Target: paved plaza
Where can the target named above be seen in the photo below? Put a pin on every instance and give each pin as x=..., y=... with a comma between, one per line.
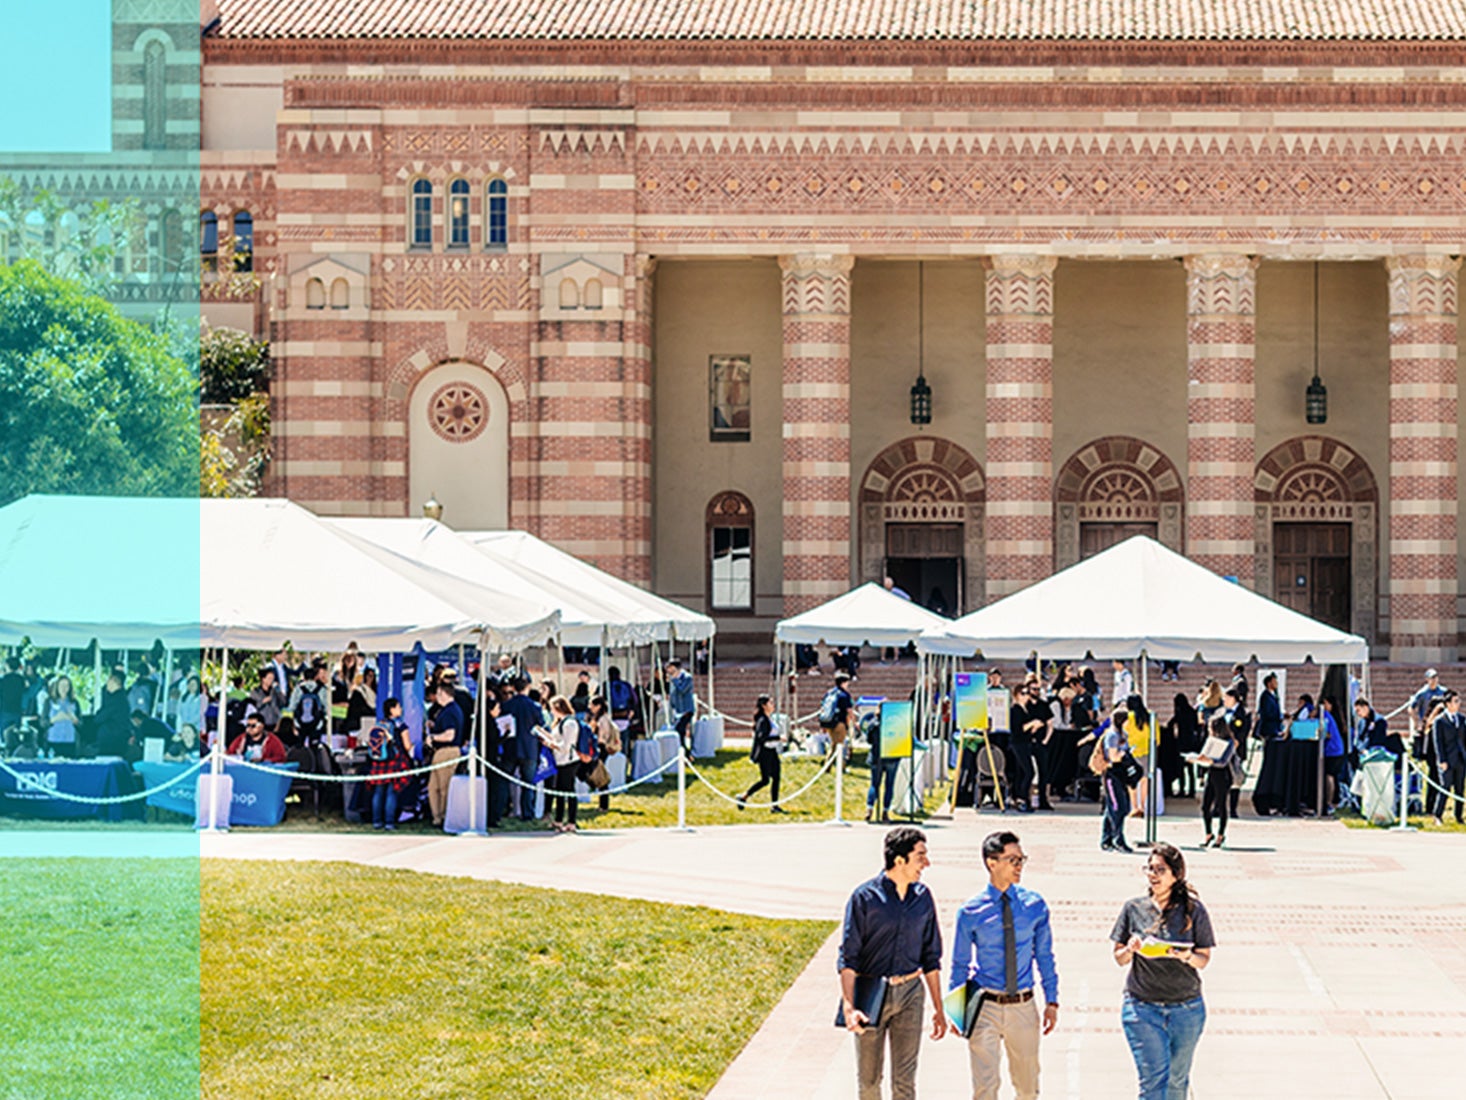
x=1340, y=971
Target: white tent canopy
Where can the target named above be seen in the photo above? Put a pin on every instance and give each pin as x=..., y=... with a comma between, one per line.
x=636, y=616
x=247, y=574
x=1140, y=597
x=868, y=615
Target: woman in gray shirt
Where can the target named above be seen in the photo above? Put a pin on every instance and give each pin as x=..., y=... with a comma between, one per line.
x=1165, y=937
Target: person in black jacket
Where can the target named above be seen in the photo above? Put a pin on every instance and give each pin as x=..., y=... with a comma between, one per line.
x=765, y=753
x=1449, y=735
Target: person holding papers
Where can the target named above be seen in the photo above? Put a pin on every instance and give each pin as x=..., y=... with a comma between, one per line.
x=1216, y=757
x=1165, y=937
x=889, y=948
x=1002, y=934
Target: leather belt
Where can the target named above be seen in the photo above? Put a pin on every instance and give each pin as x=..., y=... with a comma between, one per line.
x=904, y=978
x=1008, y=998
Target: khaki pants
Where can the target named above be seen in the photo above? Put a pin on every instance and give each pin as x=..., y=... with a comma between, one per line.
x=1016, y=1027
x=901, y=1021
x=438, y=782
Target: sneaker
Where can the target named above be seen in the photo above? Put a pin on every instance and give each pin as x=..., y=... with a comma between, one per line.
x=1121, y=846
x=742, y=802
x=1106, y=846
x=777, y=810
x=390, y=828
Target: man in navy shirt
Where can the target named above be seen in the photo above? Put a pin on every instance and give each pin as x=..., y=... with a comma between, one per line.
x=528, y=717
x=1002, y=934
x=445, y=741
x=891, y=933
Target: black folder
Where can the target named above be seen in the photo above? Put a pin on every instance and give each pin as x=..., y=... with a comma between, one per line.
x=870, y=998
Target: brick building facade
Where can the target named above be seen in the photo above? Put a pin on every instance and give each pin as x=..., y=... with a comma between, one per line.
x=656, y=288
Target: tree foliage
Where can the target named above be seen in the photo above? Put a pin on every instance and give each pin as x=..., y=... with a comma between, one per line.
x=83, y=246
x=232, y=366
x=90, y=402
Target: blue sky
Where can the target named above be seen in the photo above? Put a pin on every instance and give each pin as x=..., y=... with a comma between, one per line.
x=56, y=77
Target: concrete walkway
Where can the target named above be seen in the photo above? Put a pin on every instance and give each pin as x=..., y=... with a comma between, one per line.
x=1340, y=971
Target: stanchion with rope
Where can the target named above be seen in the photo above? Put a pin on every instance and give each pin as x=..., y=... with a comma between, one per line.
x=217, y=779
x=732, y=800
x=682, y=790
x=24, y=782
x=1406, y=765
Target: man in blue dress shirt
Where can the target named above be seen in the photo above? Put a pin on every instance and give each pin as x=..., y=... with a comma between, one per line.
x=1001, y=935
x=891, y=933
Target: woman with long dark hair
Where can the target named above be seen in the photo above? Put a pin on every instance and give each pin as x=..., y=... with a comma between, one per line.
x=1179, y=736
x=1137, y=731
x=1165, y=937
x=765, y=753
x=1216, y=796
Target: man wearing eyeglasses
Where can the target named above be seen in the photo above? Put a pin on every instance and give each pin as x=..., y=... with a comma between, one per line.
x=1002, y=934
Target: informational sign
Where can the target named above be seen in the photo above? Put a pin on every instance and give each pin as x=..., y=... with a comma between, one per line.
x=972, y=700
x=896, y=730
x=1000, y=703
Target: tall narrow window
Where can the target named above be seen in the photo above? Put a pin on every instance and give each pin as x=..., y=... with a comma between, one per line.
x=422, y=214
x=209, y=240
x=730, y=552
x=137, y=244
x=595, y=294
x=340, y=294
x=458, y=214
x=730, y=398
x=155, y=96
x=315, y=294
x=244, y=241
x=498, y=218
x=170, y=244
x=569, y=294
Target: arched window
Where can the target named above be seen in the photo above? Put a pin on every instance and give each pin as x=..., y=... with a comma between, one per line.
x=137, y=244
x=209, y=239
x=244, y=241
x=170, y=243
x=421, y=227
x=315, y=294
x=458, y=214
x=595, y=294
x=498, y=217
x=569, y=294
x=340, y=294
x=730, y=552
x=155, y=96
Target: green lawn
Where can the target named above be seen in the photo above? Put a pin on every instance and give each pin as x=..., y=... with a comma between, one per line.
x=99, y=979
x=1420, y=821
x=331, y=980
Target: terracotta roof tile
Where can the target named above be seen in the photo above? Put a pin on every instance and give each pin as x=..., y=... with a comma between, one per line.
x=932, y=20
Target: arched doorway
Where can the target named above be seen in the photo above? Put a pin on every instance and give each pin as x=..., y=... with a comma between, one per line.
x=1111, y=489
x=458, y=445
x=921, y=513
x=1317, y=524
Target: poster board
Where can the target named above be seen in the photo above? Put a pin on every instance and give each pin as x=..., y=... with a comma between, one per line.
x=971, y=690
x=1304, y=729
x=1000, y=704
x=896, y=730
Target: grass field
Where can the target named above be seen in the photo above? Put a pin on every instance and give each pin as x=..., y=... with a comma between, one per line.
x=330, y=980
x=99, y=979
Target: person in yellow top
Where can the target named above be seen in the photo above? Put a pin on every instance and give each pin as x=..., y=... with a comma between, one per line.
x=1137, y=733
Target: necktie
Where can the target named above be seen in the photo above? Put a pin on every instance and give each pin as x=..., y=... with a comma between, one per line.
x=1010, y=947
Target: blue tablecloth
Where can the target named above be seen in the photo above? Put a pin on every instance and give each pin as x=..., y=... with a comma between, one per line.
x=259, y=797
x=104, y=777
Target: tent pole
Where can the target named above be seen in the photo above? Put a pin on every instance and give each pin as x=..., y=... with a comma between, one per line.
x=480, y=712
x=1150, y=762
x=160, y=701
x=216, y=758
x=712, y=709
x=97, y=676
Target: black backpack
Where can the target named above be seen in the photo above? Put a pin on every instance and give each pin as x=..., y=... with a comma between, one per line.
x=308, y=712
x=830, y=709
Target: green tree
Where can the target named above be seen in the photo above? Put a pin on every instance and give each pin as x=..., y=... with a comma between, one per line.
x=90, y=402
x=82, y=246
x=232, y=366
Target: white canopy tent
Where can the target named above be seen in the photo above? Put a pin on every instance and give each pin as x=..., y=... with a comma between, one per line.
x=868, y=615
x=1138, y=597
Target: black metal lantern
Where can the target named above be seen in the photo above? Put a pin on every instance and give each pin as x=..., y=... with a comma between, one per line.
x=431, y=509
x=921, y=401
x=921, y=393
x=1316, y=397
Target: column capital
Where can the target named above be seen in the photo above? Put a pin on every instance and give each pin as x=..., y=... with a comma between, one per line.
x=1027, y=265
x=643, y=265
x=1423, y=285
x=816, y=284
x=1020, y=285
x=1221, y=283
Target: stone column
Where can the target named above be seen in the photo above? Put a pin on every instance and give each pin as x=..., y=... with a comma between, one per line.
x=1221, y=433
x=816, y=444
x=1020, y=422
x=1423, y=448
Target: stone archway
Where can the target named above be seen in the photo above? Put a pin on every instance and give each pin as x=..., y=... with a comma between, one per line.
x=1315, y=481
x=918, y=482
x=1120, y=483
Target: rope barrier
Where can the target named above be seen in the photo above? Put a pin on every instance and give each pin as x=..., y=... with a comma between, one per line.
x=25, y=783
x=830, y=759
x=1424, y=774
x=356, y=777
x=647, y=778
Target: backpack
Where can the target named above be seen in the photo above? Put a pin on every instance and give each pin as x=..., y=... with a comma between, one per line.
x=830, y=709
x=621, y=698
x=308, y=712
x=585, y=742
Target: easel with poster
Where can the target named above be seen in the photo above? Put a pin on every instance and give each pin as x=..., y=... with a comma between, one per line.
x=977, y=711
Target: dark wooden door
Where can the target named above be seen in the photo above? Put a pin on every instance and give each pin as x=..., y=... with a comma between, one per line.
x=1094, y=537
x=925, y=561
x=1312, y=570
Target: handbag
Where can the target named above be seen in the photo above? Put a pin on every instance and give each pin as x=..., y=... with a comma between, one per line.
x=547, y=769
x=597, y=777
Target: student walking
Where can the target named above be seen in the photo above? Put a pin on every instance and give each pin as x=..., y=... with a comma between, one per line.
x=1217, y=794
x=891, y=939
x=1165, y=937
x=765, y=753
x=1002, y=935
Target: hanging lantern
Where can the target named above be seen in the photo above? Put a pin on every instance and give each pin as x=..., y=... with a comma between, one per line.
x=1316, y=402
x=921, y=401
x=432, y=509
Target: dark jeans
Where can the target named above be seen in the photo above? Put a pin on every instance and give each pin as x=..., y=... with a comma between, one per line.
x=499, y=796
x=1454, y=777
x=683, y=725
x=769, y=770
x=1022, y=772
x=882, y=773
x=527, y=768
x=565, y=801
x=384, y=806
x=1117, y=808
x=1215, y=798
